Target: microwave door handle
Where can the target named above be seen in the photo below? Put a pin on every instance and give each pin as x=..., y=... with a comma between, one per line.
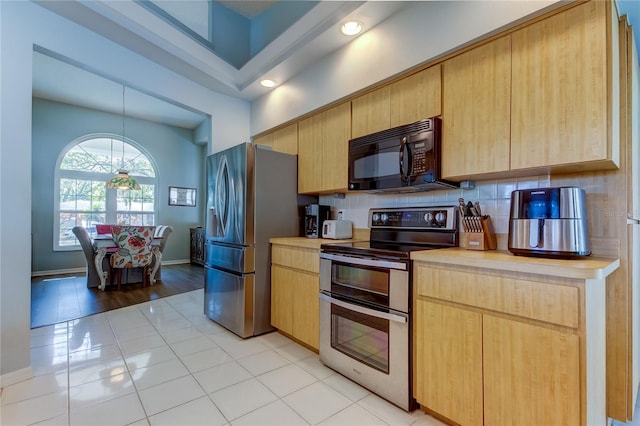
x=405, y=171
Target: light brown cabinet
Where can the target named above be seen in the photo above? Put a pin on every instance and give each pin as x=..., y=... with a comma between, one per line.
x=448, y=373
x=295, y=286
x=281, y=140
x=408, y=100
x=542, y=98
x=416, y=97
x=495, y=346
x=476, y=111
x=531, y=374
x=323, y=144
x=370, y=112
x=545, y=97
x=565, y=89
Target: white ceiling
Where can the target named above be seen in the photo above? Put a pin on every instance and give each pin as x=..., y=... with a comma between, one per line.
x=127, y=23
x=305, y=42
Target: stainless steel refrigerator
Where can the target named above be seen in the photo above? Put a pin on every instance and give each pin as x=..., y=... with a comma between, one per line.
x=252, y=196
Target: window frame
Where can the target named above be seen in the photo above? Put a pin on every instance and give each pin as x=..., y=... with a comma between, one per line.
x=111, y=197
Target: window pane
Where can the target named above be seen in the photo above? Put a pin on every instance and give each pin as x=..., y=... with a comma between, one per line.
x=66, y=236
x=85, y=201
x=137, y=201
x=107, y=155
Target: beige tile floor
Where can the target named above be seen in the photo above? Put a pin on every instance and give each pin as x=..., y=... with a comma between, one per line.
x=165, y=363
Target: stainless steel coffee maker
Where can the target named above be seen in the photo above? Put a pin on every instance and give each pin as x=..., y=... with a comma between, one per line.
x=549, y=222
x=314, y=217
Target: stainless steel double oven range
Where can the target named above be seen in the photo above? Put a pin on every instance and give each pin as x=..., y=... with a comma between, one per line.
x=366, y=298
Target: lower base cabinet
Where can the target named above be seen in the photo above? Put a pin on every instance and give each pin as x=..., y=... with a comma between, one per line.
x=509, y=348
x=474, y=366
x=448, y=375
x=294, y=304
x=535, y=369
x=295, y=286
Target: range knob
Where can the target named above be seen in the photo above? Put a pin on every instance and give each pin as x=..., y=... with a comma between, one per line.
x=428, y=217
x=385, y=217
x=375, y=217
x=441, y=217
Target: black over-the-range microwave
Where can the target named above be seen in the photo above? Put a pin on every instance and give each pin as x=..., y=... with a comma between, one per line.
x=402, y=159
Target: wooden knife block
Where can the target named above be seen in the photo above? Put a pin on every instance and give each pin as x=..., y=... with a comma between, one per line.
x=479, y=233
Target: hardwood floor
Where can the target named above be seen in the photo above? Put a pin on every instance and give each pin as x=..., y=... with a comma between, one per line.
x=61, y=298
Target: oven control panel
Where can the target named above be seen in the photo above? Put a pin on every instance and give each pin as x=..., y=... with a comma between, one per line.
x=440, y=218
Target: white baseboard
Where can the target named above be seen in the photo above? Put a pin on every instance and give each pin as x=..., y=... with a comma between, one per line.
x=58, y=272
x=82, y=270
x=16, y=377
x=175, y=262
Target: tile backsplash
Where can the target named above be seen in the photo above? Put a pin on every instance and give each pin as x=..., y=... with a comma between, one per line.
x=494, y=197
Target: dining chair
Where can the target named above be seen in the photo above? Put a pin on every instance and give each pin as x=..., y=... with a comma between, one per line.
x=162, y=233
x=134, y=250
x=93, y=280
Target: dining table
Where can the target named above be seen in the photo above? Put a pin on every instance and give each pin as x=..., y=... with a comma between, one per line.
x=103, y=242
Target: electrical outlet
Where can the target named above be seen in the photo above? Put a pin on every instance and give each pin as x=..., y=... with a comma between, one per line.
x=340, y=215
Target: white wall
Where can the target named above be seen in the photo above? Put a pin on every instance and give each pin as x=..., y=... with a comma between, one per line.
x=22, y=25
x=411, y=37
x=15, y=197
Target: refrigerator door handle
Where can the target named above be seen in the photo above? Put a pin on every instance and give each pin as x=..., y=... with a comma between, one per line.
x=212, y=227
x=222, y=198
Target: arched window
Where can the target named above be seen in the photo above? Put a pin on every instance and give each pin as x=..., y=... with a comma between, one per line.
x=82, y=198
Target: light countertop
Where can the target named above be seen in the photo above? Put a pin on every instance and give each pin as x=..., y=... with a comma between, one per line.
x=303, y=242
x=584, y=268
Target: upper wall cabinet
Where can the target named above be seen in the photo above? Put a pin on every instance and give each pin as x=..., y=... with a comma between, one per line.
x=565, y=90
x=370, y=112
x=411, y=99
x=476, y=111
x=545, y=97
x=282, y=140
x=416, y=97
x=323, y=144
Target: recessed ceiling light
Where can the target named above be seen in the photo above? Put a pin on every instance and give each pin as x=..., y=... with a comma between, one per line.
x=268, y=83
x=351, y=28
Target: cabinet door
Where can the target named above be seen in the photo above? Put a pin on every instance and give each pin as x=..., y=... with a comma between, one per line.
x=476, y=111
x=306, y=309
x=286, y=139
x=416, y=97
x=370, y=112
x=560, y=88
x=336, y=132
x=282, y=140
x=310, y=155
x=448, y=361
x=282, y=298
x=531, y=374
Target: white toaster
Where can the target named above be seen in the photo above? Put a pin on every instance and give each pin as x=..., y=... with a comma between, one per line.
x=336, y=229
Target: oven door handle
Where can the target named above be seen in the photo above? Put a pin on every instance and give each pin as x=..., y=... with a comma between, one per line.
x=365, y=261
x=366, y=311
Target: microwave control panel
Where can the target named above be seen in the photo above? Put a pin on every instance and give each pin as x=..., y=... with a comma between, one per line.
x=420, y=157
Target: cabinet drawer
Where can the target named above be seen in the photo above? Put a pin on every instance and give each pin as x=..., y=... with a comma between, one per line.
x=306, y=260
x=557, y=304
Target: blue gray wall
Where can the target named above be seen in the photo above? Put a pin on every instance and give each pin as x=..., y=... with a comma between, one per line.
x=179, y=162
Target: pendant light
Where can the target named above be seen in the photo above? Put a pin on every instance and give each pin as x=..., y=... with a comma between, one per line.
x=122, y=180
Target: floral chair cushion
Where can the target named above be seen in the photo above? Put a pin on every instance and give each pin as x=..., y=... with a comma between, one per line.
x=134, y=246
